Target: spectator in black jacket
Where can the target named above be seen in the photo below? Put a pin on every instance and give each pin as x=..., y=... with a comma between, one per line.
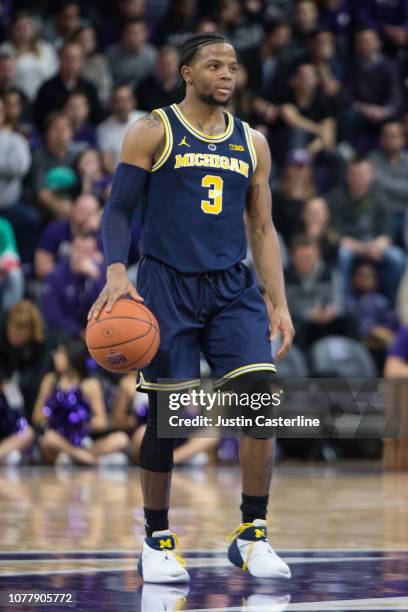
x=54, y=93
x=372, y=92
x=161, y=88
x=307, y=113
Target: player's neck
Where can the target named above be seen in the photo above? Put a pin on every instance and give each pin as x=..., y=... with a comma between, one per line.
x=206, y=117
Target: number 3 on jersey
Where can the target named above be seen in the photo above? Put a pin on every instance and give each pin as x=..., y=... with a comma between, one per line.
x=214, y=185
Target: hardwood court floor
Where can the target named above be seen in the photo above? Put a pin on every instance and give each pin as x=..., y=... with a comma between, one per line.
x=343, y=531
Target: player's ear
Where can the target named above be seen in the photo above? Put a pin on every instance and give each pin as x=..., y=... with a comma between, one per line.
x=186, y=74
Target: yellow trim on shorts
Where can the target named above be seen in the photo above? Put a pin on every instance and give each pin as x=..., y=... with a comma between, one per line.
x=252, y=367
x=168, y=145
x=193, y=382
x=201, y=135
x=143, y=384
x=251, y=146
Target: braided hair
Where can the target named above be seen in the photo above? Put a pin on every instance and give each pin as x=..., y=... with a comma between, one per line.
x=192, y=45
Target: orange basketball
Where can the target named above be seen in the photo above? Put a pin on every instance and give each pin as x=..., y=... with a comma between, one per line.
x=124, y=339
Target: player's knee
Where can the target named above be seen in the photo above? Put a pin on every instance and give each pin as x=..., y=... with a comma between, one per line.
x=252, y=382
x=256, y=401
x=156, y=454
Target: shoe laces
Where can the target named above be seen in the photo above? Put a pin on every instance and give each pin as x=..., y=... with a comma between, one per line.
x=235, y=533
x=180, y=604
x=176, y=552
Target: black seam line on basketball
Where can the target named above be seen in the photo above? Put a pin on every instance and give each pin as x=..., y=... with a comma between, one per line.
x=136, y=367
x=149, y=322
x=95, y=348
x=124, y=341
x=122, y=317
x=150, y=315
x=146, y=351
x=148, y=312
x=139, y=358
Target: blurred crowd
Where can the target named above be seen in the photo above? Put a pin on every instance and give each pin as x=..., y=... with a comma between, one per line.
x=326, y=81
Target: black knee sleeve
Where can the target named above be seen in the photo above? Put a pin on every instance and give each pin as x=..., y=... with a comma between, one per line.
x=255, y=385
x=156, y=454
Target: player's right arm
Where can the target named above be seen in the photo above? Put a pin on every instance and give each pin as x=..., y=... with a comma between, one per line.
x=142, y=145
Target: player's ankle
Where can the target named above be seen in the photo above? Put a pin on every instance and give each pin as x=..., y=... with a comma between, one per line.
x=156, y=520
x=253, y=507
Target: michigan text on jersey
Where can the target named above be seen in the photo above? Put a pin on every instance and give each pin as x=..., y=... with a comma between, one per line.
x=211, y=160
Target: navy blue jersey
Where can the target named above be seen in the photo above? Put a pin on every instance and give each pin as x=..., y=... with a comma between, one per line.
x=195, y=195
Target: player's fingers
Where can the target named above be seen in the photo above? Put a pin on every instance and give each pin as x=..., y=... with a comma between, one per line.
x=112, y=299
x=97, y=307
x=273, y=326
x=287, y=337
x=135, y=294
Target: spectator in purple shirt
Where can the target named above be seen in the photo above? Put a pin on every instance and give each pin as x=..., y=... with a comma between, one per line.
x=72, y=287
x=377, y=321
x=56, y=239
x=92, y=176
x=396, y=364
x=372, y=91
x=77, y=110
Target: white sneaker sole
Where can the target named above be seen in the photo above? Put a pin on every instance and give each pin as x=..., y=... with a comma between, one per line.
x=161, y=579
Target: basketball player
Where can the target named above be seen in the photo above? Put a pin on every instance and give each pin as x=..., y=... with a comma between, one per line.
x=200, y=171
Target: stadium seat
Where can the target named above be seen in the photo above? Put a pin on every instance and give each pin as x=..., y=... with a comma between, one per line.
x=294, y=365
x=339, y=356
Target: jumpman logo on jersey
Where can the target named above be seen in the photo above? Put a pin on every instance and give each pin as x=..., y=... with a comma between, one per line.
x=183, y=142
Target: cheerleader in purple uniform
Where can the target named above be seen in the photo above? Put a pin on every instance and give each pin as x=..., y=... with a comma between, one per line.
x=71, y=407
x=15, y=434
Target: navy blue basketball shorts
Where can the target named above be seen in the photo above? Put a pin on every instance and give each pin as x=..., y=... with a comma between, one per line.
x=220, y=314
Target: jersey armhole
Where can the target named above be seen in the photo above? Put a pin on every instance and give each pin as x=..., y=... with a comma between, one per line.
x=251, y=146
x=168, y=144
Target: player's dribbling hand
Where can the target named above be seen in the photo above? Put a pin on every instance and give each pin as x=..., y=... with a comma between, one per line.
x=117, y=286
x=280, y=320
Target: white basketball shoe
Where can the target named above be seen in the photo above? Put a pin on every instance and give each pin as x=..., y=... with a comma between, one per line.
x=160, y=561
x=250, y=550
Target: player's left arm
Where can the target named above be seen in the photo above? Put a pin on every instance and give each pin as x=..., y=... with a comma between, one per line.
x=264, y=244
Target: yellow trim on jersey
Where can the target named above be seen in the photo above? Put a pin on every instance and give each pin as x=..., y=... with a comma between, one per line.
x=145, y=384
x=201, y=135
x=251, y=146
x=168, y=145
x=252, y=367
